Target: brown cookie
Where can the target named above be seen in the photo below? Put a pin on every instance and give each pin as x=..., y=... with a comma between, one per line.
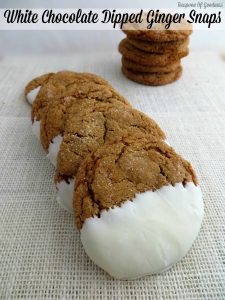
x=54, y=115
x=158, y=33
x=153, y=78
x=63, y=76
x=160, y=47
x=117, y=172
x=101, y=123
x=129, y=64
x=64, y=84
x=152, y=59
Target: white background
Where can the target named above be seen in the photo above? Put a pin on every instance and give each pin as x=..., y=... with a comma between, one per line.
x=70, y=42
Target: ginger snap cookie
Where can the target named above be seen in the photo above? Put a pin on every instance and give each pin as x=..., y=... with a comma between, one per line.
x=137, y=205
x=66, y=124
x=129, y=64
x=98, y=125
x=160, y=47
x=54, y=86
x=62, y=84
x=33, y=87
x=85, y=133
x=153, y=59
x=158, y=33
x=153, y=78
x=55, y=116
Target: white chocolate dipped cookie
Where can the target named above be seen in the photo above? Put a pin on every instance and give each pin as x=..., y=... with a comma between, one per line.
x=60, y=117
x=43, y=90
x=85, y=130
x=138, y=207
x=54, y=97
x=52, y=89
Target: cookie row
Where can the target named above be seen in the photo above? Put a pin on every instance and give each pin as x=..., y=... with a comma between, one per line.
x=76, y=115
x=150, y=61
x=128, y=179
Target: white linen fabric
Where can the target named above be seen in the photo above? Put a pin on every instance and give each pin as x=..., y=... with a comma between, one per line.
x=41, y=256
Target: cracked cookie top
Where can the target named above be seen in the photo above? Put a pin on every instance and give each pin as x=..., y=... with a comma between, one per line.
x=64, y=84
x=57, y=115
x=127, y=166
x=97, y=123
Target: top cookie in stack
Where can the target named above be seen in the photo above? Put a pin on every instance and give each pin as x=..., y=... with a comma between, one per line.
x=153, y=56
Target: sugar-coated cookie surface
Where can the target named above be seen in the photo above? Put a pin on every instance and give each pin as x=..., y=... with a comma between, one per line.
x=118, y=171
x=56, y=117
x=64, y=84
x=63, y=77
x=52, y=98
x=88, y=129
x=96, y=125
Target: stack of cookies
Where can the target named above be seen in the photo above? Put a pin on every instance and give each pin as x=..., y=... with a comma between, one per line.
x=153, y=57
x=136, y=202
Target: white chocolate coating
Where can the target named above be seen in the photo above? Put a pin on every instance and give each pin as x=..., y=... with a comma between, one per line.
x=64, y=194
x=146, y=235
x=53, y=149
x=54, y=146
x=31, y=96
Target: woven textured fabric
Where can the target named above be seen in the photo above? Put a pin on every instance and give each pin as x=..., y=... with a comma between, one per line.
x=41, y=256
